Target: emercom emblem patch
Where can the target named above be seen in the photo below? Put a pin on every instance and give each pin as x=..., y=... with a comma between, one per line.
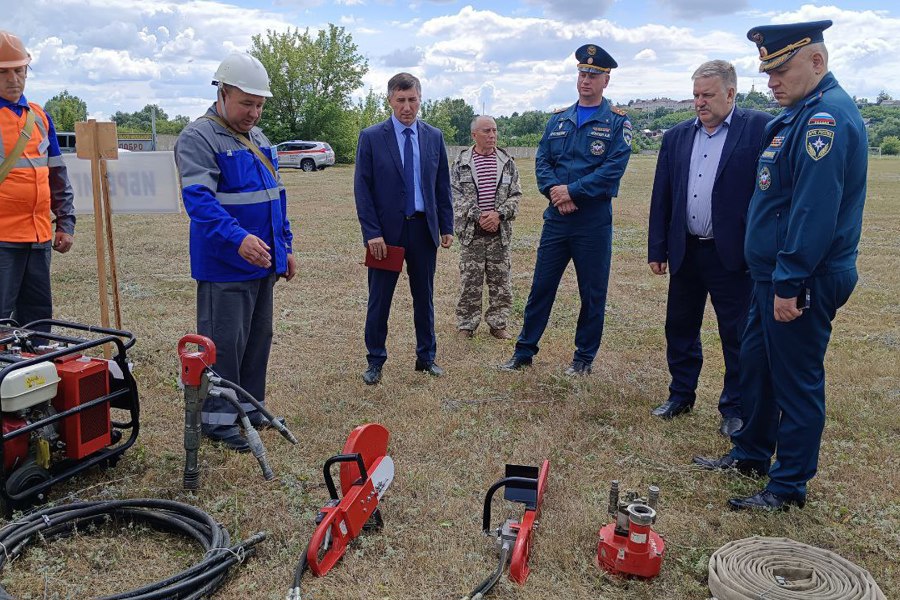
x=819, y=142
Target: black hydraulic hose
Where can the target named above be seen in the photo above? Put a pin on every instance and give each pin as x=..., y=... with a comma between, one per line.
x=250, y=433
x=299, y=570
x=193, y=583
x=491, y=580
x=275, y=422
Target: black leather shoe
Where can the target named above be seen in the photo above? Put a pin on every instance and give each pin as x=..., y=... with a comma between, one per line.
x=671, y=409
x=230, y=438
x=578, y=368
x=730, y=426
x=372, y=375
x=765, y=500
x=750, y=468
x=429, y=367
x=516, y=363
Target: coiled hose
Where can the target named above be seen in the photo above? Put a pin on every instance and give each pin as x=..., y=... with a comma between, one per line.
x=194, y=583
x=782, y=569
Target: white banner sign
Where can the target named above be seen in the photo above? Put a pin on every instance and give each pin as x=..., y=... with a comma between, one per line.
x=139, y=183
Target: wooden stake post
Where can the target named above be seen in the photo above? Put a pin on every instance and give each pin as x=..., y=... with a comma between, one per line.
x=98, y=142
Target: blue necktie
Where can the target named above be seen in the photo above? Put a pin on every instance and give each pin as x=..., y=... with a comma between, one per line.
x=409, y=173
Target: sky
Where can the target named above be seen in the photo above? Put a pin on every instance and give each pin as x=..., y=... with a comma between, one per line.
x=501, y=56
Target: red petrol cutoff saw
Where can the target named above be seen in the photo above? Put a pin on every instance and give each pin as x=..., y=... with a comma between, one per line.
x=366, y=471
x=524, y=484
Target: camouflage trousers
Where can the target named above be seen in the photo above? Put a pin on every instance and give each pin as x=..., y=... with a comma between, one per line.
x=484, y=258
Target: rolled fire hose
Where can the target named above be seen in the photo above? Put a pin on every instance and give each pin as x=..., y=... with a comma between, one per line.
x=768, y=568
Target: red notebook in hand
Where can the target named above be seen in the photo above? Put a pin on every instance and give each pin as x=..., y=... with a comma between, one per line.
x=392, y=262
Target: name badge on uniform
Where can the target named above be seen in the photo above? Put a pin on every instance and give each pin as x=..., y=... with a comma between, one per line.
x=506, y=178
x=559, y=133
x=274, y=152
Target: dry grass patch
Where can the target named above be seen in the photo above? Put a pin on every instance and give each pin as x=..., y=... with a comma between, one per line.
x=451, y=437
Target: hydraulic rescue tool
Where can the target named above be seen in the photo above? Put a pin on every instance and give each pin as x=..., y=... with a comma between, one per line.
x=366, y=472
x=56, y=405
x=524, y=484
x=628, y=545
x=200, y=382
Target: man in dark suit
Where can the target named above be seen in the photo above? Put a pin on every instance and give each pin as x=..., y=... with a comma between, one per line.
x=704, y=180
x=402, y=189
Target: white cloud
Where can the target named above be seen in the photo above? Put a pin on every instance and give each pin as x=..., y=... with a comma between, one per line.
x=124, y=54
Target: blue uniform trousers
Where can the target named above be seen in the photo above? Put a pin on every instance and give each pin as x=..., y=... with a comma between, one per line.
x=585, y=238
x=701, y=274
x=421, y=261
x=237, y=317
x=25, y=283
x=783, y=382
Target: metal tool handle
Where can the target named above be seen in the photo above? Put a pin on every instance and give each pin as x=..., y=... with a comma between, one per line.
x=522, y=482
x=331, y=522
x=340, y=458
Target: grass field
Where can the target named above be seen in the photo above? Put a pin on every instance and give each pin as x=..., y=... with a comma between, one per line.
x=452, y=436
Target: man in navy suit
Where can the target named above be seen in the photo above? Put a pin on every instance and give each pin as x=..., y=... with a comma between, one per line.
x=402, y=189
x=704, y=180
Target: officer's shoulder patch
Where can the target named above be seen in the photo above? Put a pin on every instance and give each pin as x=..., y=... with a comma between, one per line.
x=618, y=111
x=556, y=111
x=822, y=119
x=819, y=142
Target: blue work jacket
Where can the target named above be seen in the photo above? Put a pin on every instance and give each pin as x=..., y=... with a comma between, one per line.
x=229, y=193
x=805, y=215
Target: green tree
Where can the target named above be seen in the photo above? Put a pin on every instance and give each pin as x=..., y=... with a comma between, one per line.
x=882, y=96
x=371, y=109
x=66, y=110
x=311, y=79
x=437, y=114
x=142, y=121
x=890, y=145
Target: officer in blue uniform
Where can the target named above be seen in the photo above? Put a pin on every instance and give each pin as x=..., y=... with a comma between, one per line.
x=803, y=229
x=580, y=160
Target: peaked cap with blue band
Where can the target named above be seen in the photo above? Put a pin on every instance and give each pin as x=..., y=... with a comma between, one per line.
x=594, y=59
x=779, y=43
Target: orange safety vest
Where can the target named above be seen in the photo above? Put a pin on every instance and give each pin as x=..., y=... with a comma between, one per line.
x=25, y=193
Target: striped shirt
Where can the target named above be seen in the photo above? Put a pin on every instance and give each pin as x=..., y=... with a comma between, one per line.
x=486, y=179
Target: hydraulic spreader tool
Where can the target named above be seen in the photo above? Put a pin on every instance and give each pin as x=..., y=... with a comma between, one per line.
x=57, y=403
x=628, y=545
x=366, y=472
x=200, y=381
x=526, y=485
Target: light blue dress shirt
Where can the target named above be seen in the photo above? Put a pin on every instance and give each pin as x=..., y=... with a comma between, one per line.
x=417, y=164
x=705, y=156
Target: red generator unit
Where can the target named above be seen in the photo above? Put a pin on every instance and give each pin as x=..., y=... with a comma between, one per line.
x=82, y=379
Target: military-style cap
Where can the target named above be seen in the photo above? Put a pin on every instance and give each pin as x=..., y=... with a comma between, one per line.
x=594, y=59
x=779, y=43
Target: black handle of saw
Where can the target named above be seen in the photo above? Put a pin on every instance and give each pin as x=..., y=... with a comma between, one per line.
x=341, y=458
x=521, y=482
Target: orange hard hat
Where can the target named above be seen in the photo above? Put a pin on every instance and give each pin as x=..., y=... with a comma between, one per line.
x=12, y=51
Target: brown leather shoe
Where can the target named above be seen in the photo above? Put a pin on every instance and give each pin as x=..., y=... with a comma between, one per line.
x=465, y=334
x=501, y=334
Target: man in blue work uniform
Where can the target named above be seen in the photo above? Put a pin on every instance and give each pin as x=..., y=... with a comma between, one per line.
x=240, y=236
x=803, y=229
x=580, y=160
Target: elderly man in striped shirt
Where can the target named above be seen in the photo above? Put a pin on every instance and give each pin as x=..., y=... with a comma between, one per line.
x=486, y=192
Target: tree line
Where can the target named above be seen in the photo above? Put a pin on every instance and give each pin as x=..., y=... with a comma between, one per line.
x=313, y=77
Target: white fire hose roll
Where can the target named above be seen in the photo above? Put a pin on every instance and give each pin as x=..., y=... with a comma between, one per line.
x=766, y=568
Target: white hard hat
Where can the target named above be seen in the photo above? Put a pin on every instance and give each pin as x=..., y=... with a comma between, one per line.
x=244, y=72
